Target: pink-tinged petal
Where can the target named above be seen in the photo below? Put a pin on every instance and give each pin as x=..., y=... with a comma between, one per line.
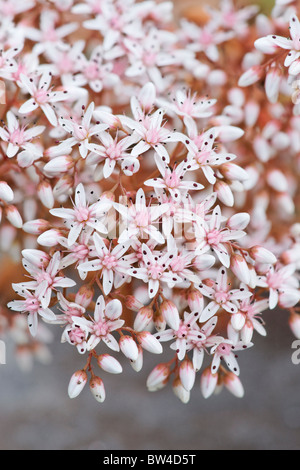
x=28, y=106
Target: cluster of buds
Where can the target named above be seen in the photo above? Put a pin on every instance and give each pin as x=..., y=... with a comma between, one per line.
x=148, y=183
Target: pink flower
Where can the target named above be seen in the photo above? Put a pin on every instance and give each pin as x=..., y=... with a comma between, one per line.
x=42, y=97
x=83, y=215
x=106, y=319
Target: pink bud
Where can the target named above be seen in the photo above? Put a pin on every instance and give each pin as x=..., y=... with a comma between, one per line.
x=129, y=347
x=272, y=84
x=84, y=296
x=58, y=165
x=262, y=255
x=109, y=364
x=237, y=321
x=45, y=193
x=187, y=374
x=170, y=313
x=159, y=321
x=233, y=384
x=224, y=193
x=234, y=172
x=50, y=237
x=247, y=332
x=133, y=303
x=63, y=185
x=195, y=300
x=13, y=216
x=158, y=378
x=251, y=76
x=149, y=342
x=143, y=318
x=180, y=391
x=238, y=221
x=239, y=267
x=208, y=382
x=77, y=383
x=6, y=193
x=97, y=389
x=138, y=363
x=36, y=227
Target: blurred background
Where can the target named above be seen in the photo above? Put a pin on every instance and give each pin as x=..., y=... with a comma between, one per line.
x=36, y=413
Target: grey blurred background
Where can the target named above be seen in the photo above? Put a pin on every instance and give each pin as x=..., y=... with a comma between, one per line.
x=36, y=413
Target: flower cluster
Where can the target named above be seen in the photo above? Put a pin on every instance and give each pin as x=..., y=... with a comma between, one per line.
x=149, y=183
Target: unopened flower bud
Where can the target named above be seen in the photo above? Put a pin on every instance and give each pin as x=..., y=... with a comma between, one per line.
x=187, y=374
x=224, y=193
x=50, y=237
x=129, y=347
x=36, y=227
x=97, y=389
x=143, y=318
x=195, y=300
x=238, y=221
x=159, y=321
x=277, y=180
x=58, y=165
x=237, y=321
x=109, y=364
x=133, y=303
x=149, y=342
x=6, y=193
x=170, y=313
x=233, y=384
x=251, y=76
x=45, y=193
x=138, y=363
x=262, y=255
x=180, y=391
x=13, y=216
x=208, y=382
x=84, y=295
x=234, y=172
x=77, y=383
x=158, y=377
x=239, y=267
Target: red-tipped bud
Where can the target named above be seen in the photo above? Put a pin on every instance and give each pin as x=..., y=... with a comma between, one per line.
x=13, y=216
x=170, y=313
x=262, y=255
x=158, y=378
x=77, y=383
x=97, y=389
x=208, y=382
x=233, y=384
x=36, y=227
x=129, y=347
x=195, y=300
x=143, y=318
x=45, y=193
x=187, y=374
x=149, y=342
x=109, y=364
x=180, y=391
x=239, y=267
